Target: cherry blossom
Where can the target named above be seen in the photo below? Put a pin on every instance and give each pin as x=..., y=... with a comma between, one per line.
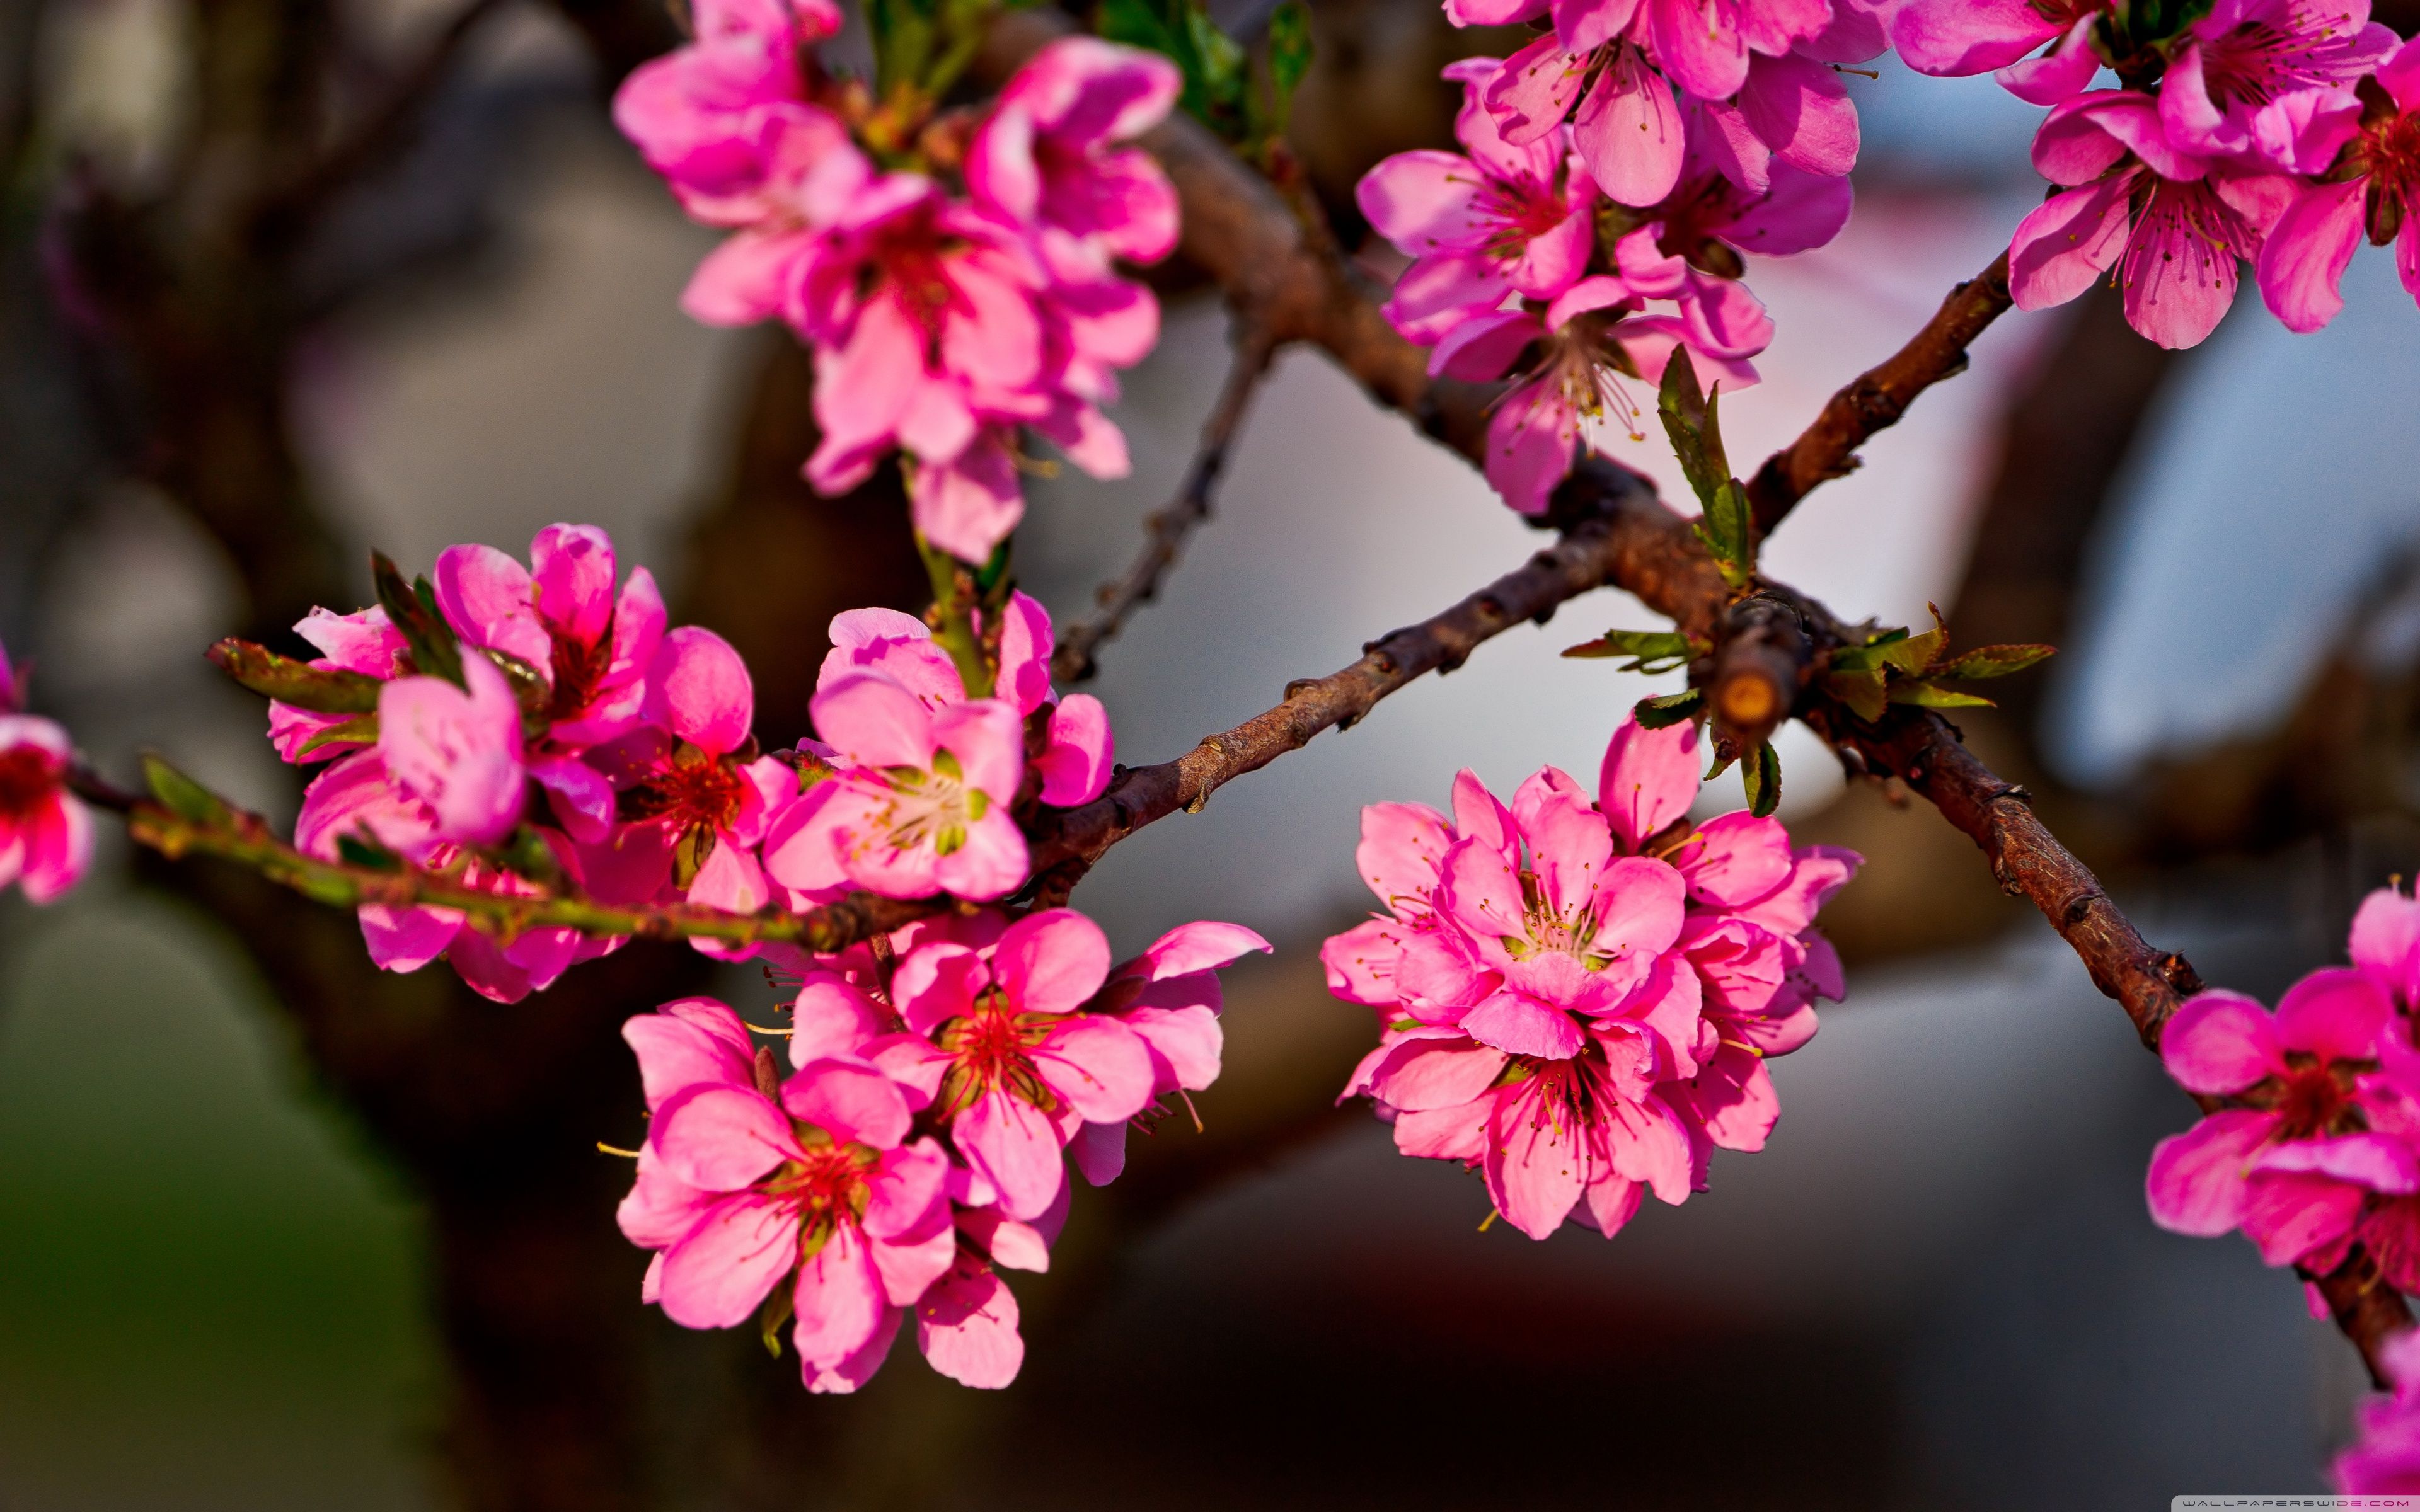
x=2375, y=192
x=2272, y=79
x=562, y=617
x=2385, y=1459
x=45, y=831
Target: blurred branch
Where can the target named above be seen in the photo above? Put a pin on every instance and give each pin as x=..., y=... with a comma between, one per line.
x=1167, y=529
x=1828, y=448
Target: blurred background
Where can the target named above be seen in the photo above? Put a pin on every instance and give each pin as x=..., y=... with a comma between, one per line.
x=283, y=279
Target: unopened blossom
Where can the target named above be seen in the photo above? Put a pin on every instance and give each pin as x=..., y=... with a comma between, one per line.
x=45, y=831
x=815, y=1182
x=2173, y=223
x=2294, y=1175
x=562, y=617
x=919, y=799
x=2271, y=80
x=2374, y=191
x=1073, y=749
x=1489, y=220
x=2384, y=1460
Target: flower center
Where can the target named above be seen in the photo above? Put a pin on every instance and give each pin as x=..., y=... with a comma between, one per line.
x=931, y=808
x=827, y=1188
x=993, y=1048
x=2309, y=1102
x=695, y=789
x=2247, y=66
x=27, y=779
x=1552, y=933
x=579, y=666
x=910, y=257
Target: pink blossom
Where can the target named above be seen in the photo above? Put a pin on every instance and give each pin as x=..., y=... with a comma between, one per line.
x=2173, y=223
x=361, y=642
x=45, y=831
x=1589, y=337
x=2385, y=1459
x=1487, y=222
x=919, y=799
x=698, y=113
x=2272, y=79
x=458, y=752
x=2385, y=943
x=817, y=1182
x=1627, y=126
x=997, y=1043
x=1075, y=751
x=695, y=797
x=1579, y=998
x=2312, y=243
x=1048, y=155
x=562, y=617
x=2293, y=1175
x=13, y=686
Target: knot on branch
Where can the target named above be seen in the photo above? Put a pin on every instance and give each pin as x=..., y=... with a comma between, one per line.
x=1763, y=659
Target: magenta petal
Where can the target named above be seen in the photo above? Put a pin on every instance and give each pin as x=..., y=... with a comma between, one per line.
x=2195, y=1184
x=720, y=1137
x=1076, y=764
x=1418, y=1076
x=660, y=1209
x=2064, y=246
x=1010, y=1143
x=1534, y=1165
x=937, y=982
x=1521, y=1027
x=458, y=752
x=2386, y=940
x=1629, y=133
x=1052, y=962
x=484, y=596
x=1099, y=1150
x=717, y=1272
x=2303, y=260
x=993, y=863
x=831, y=1017
x=2336, y=1013
x=907, y=1191
x=1649, y=1144
x=851, y=1102
x=2288, y=1216
x=674, y=1055
x=580, y=798
x=967, y=1327
x=2220, y=1042
x=1360, y=962
x=839, y=1298
x=1530, y=440
x=699, y=688
x=1422, y=202
x=1098, y=1066
x=2380, y=1162
x=407, y=939
x=1649, y=779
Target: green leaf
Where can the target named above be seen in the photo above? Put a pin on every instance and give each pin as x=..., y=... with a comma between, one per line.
x=1289, y=60
x=1687, y=421
x=903, y=41
x=1912, y=653
x=361, y=728
x=1994, y=661
x=181, y=795
x=320, y=690
x=1727, y=531
x=364, y=850
x=777, y=1312
x=1651, y=651
x=1722, y=763
x=1924, y=695
x=1671, y=709
x=411, y=609
x=1761, y=776
x=1862, y=692
x=1182, y=31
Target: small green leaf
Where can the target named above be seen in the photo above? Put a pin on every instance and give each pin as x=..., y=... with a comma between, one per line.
x=1651, y=651
x=525, y=853
x=1671, y=709
x=1992, y=661
x=359, y=730
x=411, y=609
x=1289, y=61
x=1912, y=653
x=181, y=795
x=778, y=1307
x=1682, y=406
x=363, y=849
x=320, y=690
x=1761, y=776
x=1862, y=692
x=1924, y=695
x=1722, y=763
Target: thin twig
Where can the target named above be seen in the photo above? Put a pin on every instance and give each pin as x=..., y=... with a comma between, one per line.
x=1828, y=448
x=1166, y=529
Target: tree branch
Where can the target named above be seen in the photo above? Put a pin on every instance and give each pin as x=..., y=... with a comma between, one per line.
x=1074, y=661
x=1828, y=449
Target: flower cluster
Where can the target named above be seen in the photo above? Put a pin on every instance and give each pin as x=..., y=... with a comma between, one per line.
x=940, y=1081
x=1579, y=998
x=1573, y=254
x=942, y=319
x=2327, y=1153
x=45, y=831
x=561, y=726
x=2274, y=130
